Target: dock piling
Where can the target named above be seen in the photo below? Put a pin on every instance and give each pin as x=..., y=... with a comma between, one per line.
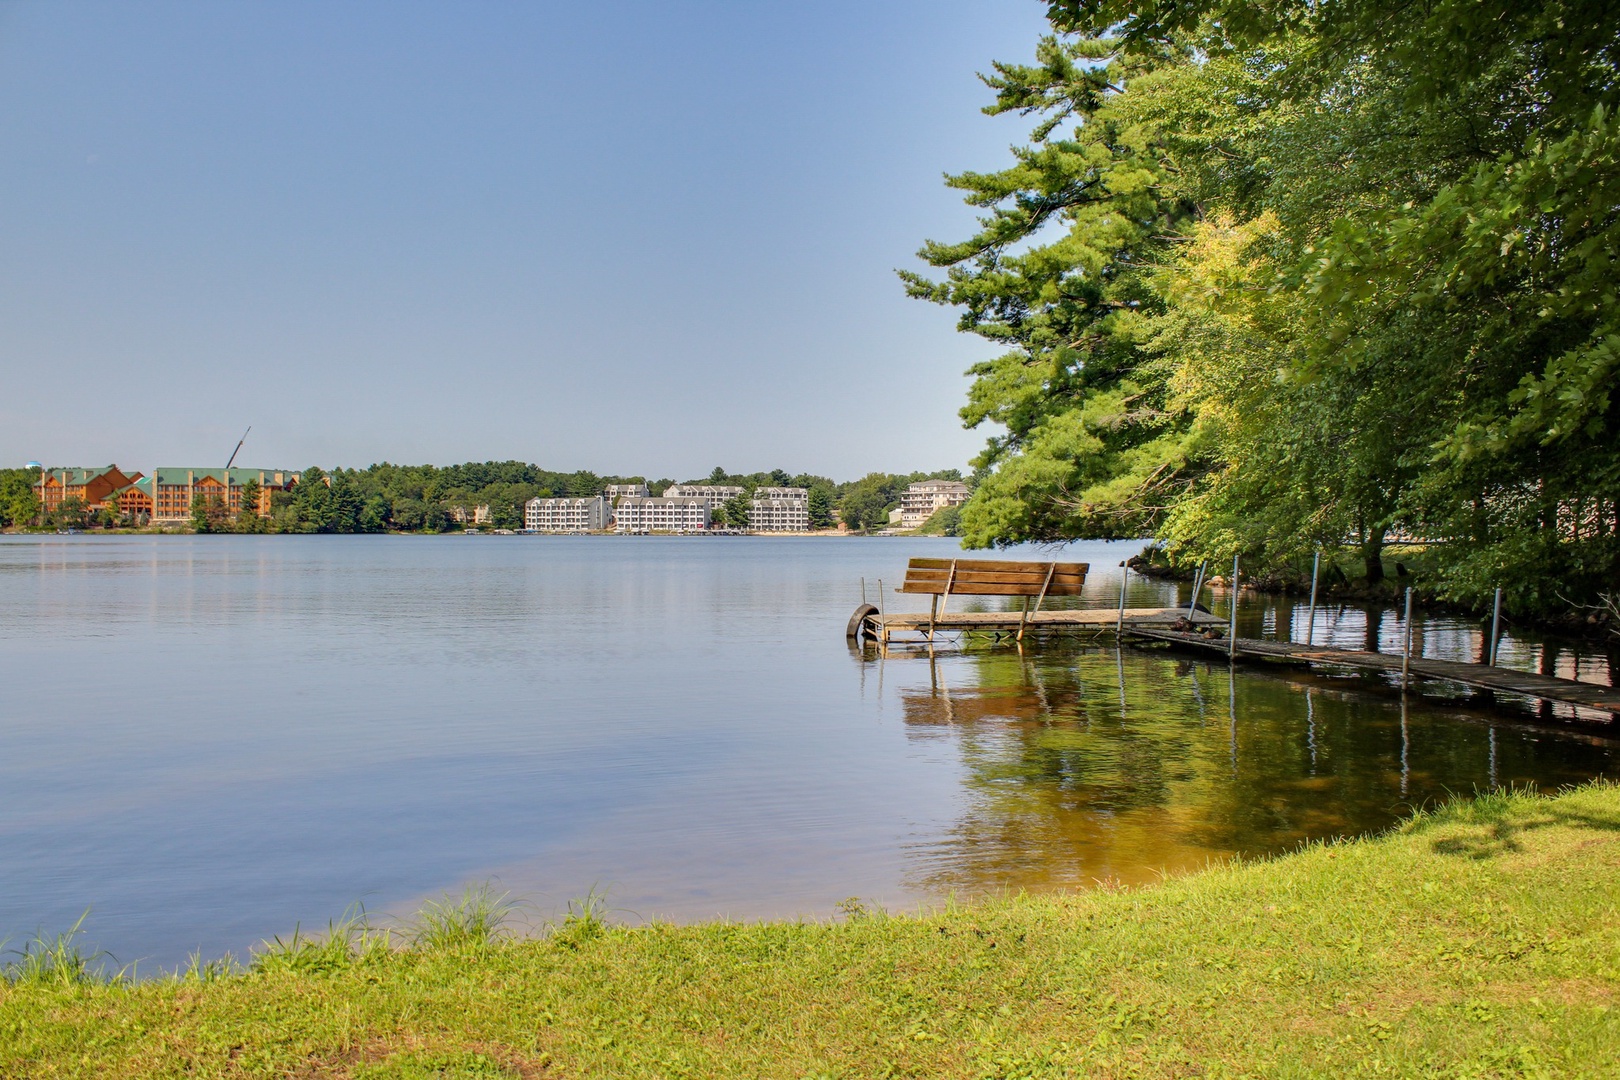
x=1231, y=638
x=1198, y=587
x=1496, y=627
x=1124, y=579
x=1310, y=620
x=1406, y=651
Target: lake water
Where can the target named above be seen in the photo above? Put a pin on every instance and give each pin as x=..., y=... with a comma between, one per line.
x=206, y=740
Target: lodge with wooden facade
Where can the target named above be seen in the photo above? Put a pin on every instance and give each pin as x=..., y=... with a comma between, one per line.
x=90, y=486
x=164, y=497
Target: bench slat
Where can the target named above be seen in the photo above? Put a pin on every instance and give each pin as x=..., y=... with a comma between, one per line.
x=997, y=565
x=994, y=578
x=968, y=588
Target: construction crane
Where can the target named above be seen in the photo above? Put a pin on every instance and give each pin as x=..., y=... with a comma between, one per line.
x=238, y=449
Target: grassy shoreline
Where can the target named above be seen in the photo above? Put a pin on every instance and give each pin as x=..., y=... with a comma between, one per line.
x=1481, y=939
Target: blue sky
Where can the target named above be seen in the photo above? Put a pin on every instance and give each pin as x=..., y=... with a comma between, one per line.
x=638, y=238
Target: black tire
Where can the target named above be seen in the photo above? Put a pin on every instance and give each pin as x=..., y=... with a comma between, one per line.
x=857, y=621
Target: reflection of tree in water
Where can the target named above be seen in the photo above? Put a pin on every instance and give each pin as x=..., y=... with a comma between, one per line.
x=1067, y=785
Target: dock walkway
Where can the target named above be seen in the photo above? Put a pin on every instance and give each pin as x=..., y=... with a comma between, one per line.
x=1507, y=680
x=883, y=628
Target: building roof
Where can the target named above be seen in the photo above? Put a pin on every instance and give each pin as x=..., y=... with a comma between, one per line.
x=664, y=500
x=76, y=477
x=238, y=476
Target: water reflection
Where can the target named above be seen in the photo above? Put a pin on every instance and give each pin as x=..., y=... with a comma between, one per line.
x=211, y=739
x=1087, y=764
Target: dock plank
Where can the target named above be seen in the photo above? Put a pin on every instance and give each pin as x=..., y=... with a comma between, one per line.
x=1507, y=680
x=1103, y=618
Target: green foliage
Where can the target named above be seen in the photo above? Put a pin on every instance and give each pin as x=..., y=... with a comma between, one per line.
x=475, y=920
x=867, y=503
x=209, y=514
x=248, y=518
x=349, y=940
x=70, y=513
x=55, y=960
x=1285, y=274
x=821, y=504
x=734, y=511
x=585, y=920
x=946, y=521
x=19, y=502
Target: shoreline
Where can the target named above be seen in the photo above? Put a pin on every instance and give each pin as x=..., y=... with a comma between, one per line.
x=1480, y=925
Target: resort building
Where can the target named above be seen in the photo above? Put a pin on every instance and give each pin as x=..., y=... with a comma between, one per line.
x=780, y=509
x=661, y=514
x=89, y=486
x=135, y=501
x=919, y=501
x=471, y=515
x=173, y=490
x=615, y=492
x=714, y=496
x=566, y=515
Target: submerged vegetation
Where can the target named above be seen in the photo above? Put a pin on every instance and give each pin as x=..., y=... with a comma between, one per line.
x=1286, y=275
x=1478, y=939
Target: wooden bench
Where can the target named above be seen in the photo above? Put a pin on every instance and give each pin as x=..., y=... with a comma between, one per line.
x=945, y=578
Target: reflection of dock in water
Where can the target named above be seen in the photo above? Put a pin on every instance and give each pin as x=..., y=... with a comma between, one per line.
x=1082, y=764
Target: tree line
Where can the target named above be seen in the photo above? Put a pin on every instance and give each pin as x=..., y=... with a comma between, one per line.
x=1276, y=275
x=427, y=498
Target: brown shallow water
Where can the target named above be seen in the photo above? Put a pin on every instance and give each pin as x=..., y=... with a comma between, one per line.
x=206, y=740
x=1087, y=765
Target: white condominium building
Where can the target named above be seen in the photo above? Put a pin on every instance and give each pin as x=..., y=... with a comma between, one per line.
x=662, y=514
x=920, y=500
x=780, y=509
x=615, y=492
x=714, y=496
x=566, y=515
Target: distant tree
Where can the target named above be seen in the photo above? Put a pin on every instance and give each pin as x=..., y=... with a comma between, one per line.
x=821, y=506
x=19, y=504
x=867, y=503
x=348, y=500
x=209, y=514
x=505, y=503
x=284, y=511
x=717, y=475
x=317, y=507
x=408, y=514
x=71, y=513
x=946, y=521
x=374, y=514
x=247, y=517
x=734, y=511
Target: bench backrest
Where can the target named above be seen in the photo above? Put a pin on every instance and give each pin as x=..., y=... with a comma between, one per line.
x=993, y=577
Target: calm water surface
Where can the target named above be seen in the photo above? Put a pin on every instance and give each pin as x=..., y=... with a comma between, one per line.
x=205, y=740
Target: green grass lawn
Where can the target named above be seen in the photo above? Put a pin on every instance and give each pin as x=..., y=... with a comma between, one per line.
x=1480, y=940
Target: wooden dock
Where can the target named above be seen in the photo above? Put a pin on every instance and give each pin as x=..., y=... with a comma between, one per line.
x=872, y=625
x=1506, y=680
